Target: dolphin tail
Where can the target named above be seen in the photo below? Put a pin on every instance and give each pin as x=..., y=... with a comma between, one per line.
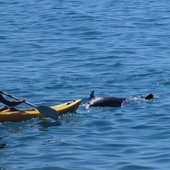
x=149, y=97
x=92, y=95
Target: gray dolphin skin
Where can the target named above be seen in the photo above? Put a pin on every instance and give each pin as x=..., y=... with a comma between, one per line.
x=105, y=101
x=109, y=101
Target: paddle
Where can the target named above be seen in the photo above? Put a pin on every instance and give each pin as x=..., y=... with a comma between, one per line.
x=44, y=110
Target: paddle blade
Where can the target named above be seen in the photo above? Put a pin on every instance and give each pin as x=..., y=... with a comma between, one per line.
x=48, y=112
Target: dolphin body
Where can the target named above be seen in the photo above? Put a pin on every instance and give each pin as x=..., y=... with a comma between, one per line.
x=109, y=101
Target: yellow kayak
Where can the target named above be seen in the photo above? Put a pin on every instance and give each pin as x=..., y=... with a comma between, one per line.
x=21, y=115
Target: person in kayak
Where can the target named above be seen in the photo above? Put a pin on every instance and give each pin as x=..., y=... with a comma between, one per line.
x=9, y=105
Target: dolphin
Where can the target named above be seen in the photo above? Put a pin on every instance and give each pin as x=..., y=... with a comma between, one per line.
x=109, y=101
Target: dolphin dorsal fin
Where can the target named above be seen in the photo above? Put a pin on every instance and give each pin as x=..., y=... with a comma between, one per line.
x=92, y=95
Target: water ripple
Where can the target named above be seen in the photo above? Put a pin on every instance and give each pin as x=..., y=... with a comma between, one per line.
x=56, y=51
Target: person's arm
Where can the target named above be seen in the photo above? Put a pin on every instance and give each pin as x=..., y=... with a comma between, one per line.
x=10, y=103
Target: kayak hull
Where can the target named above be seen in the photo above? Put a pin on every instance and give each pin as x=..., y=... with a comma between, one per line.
x=13, y=116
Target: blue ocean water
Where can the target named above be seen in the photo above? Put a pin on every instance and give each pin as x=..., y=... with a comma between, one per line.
x=55, y=51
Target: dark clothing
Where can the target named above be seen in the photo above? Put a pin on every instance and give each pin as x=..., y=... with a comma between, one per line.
x=7, y=102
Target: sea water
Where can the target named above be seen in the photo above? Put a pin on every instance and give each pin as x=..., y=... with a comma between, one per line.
x=56, y=51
